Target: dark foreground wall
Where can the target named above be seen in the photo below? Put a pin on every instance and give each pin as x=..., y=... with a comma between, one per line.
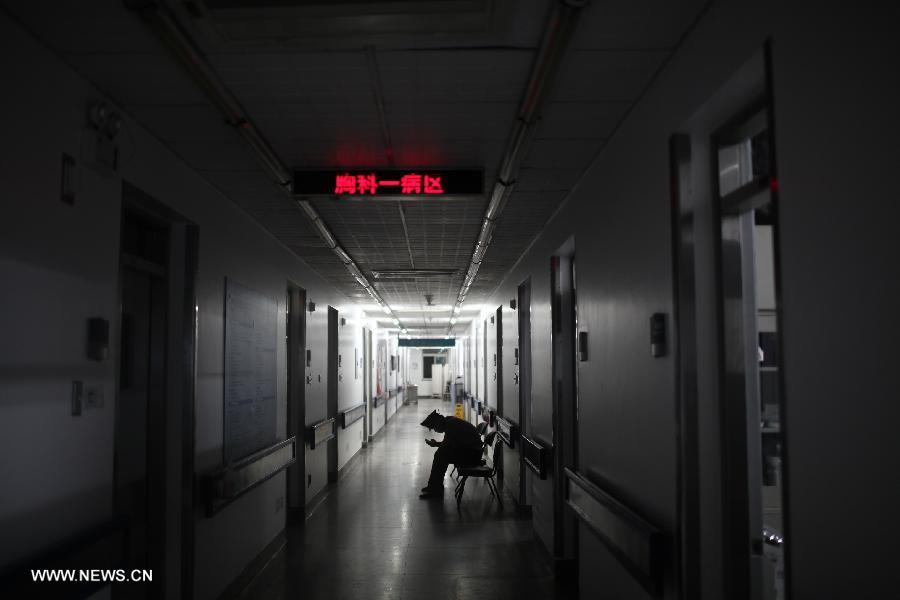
x=836, y=89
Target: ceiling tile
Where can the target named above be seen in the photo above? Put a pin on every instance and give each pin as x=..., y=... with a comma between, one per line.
x=635, y=24
x=561, y=153
x=581, y=120
x=606, y=76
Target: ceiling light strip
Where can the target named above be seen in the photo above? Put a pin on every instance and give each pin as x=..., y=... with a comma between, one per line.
x=174, y=37
x=412, y=261
x=378, y=93
x=557, y=34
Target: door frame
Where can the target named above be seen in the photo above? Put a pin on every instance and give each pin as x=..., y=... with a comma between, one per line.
x=498, y=357
x=296, y=398
x=523, y=292
x=180, y=409
x=484, y=362
x=332, y=390
x=708, y=488
x=563, y=339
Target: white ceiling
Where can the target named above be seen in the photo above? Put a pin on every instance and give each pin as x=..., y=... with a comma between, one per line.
x=450, y=100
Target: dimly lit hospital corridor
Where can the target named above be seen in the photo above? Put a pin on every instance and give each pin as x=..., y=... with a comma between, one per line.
x=449, y=299
x=372, y=538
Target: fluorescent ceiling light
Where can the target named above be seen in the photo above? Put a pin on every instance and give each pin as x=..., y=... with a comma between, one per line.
x=423, y=308
x=403, y=274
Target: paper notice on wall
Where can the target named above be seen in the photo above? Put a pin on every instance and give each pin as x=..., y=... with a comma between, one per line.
x=250, y=371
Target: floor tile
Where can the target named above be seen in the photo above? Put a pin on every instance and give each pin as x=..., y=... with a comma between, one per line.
x=372, y=537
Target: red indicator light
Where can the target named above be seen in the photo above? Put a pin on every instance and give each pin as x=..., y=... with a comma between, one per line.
x=773, y=184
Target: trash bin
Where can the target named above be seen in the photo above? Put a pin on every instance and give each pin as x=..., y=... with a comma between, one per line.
x=412, y=395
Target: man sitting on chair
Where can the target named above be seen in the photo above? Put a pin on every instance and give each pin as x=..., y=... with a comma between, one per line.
x=461, y=446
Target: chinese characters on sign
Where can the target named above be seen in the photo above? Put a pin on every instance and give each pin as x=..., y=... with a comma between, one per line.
x=369, y=183
x=410, y=183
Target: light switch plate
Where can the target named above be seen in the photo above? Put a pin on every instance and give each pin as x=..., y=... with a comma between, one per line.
x=77, y=396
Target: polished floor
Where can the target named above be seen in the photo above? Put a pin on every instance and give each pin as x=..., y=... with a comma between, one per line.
x=371, y=537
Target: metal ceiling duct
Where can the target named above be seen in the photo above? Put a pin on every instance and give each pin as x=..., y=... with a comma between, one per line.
x=173, y=36
x=557, y=34
x=178, y=42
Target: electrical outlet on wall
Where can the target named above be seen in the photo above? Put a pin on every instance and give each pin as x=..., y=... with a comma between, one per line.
x=279, y=503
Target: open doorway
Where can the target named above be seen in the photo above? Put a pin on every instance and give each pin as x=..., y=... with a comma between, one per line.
x=725, y=233
x=153, y=463
x=749, y=358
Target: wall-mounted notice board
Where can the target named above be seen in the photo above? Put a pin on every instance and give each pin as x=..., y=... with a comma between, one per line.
x=250, y=371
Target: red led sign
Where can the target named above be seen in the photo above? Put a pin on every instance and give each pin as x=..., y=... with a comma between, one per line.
x=368, y=183
x=389, y=182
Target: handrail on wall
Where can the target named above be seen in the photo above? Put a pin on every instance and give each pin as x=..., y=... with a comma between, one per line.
x=352, y=415
x=635, y=542
x=226, y=484
x=535, y=455
x=321, y=432
x=508, y=431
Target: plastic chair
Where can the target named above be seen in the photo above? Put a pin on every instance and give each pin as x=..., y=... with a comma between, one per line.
x=486, y=472
x=479, y=429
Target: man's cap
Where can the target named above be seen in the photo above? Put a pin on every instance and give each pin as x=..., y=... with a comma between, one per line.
x=433, y=419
